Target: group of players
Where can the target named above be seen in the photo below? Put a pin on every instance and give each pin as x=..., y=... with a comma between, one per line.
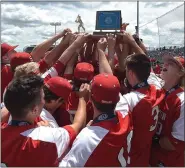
x=78, y=106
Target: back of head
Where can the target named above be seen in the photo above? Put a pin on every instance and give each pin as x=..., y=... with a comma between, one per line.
x=20, y=58
x=25, y=69
x=140, y=65
x=105, y=89
x=57, y=87
x=23, y=94
x=84, y=71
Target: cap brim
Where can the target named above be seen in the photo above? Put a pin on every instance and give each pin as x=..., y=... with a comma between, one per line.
x=13, y=47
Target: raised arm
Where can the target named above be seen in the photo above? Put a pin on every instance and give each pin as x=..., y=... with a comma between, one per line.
x=80, y=115
x=104, y=66
x=56, y=52
x=111, y=40
x=68, y=53
x=127, y=38
x=40, y=50
x=122, y=54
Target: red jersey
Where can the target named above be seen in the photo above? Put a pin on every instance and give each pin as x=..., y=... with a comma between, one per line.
x=62, y=116
x=66, y=113
x=31, y=146
x=171, y=125
x=55, y=70
x=6, y=77
x=103, y=144
x=144, y=106
x=72, y=106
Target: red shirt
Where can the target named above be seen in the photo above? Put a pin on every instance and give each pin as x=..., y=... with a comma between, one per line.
x=103, y=144
x=55, y=70
x=32, y=146
x=144, y=106
x=72, y=106
x=6, y=77
x=171, y=125
x=66, y=113
x=62, y=116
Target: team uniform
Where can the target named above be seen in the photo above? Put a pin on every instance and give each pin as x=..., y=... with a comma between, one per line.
x=104, y=143
x=25, y=145
x=6, y=77
x=143, y=104
x=170, y=124
x=72, y=106
x=54, y=71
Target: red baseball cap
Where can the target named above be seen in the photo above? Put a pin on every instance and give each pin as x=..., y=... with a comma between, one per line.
x=5, y=48
x=105, y=88
x=59, y=86
x=84, y=71
x=20, y=58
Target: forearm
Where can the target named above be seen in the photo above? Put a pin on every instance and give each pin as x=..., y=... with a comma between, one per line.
x=40, y=50
x=53, y=56
x=122, y=56
x=68, y=53
x=136, y=48
x=104, y=66
x=70, y=65
x=80, y=116
x=111, y=53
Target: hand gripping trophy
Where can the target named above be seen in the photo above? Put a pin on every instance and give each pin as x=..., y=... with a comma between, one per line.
x=81, y=24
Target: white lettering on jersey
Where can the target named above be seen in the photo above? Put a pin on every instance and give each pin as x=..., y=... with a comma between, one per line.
x=155, y=113
x=121, y=158
x=120, y=155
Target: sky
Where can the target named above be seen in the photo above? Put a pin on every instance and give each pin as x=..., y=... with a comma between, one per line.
x=28, y=23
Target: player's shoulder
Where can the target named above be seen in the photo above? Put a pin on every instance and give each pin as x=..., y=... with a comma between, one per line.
x=45, y=134
x=91, y=134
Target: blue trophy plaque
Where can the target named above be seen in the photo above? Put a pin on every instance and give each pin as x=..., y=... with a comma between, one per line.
x=108, y=20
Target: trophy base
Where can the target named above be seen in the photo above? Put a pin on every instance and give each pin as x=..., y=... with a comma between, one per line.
x=98, y=35
x=105, y=33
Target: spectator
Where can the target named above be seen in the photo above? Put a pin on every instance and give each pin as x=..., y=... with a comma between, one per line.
x=169, y=139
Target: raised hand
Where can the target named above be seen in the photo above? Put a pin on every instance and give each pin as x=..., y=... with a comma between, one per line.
x=64, y=32
x=82, y=38
x=124, y=26
x=111, y=39
x=127, y=38
x=84, y=91
x=102, y=44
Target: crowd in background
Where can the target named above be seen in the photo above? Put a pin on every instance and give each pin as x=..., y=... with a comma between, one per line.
x=77, y=105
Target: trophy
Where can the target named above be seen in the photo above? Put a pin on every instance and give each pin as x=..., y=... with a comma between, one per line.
x=107, y=20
